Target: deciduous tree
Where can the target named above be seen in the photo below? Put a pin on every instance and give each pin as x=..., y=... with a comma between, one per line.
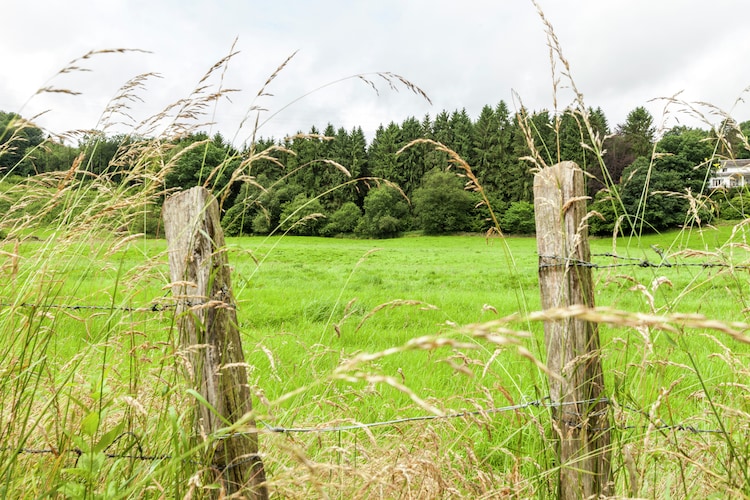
x=386, y=213
x=442, y=205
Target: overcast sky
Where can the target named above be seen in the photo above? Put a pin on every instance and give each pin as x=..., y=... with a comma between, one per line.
x=462, y=53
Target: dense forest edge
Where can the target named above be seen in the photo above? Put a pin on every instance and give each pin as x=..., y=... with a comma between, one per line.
x=334, y=183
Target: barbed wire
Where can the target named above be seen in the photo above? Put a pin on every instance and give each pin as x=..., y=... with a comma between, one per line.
x=303, y=430
x=77, y=451
x=543, y=403
x=559, y=261
x=155, y=307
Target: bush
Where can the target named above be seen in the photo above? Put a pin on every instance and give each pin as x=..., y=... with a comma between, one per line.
x=302, y=216
x=735, y=208
x=261, y=223
x=147, y=221
x=256, y=212
x=442, y=205
x=251, y=200
x=343, y=220
x=236, y=221
x=519, y=218
x=386, y=214
x=604, y=204
x=668, y=179
x=482, y=218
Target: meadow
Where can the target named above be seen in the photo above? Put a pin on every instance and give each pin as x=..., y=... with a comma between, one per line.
x=343, y=332
x=396, y=368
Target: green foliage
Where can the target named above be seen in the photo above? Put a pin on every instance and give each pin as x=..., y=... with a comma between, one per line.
x=349, y=149
x=576, y=145
x=265, y=212
x=630, y=140
x=343, y=221
x=50, y=157
x=608, y=211
x=383, y=159
x=442, y=205
x=462, y=131
x=92, y=465
x=617, y=157
x=201, y=161
x=651, y=196
x=517, y=181
x=733, y=205
x=312, y=164
x=306, y=167
x=238, y=219
x=18, y=141
x=518, y=218
x=101, y=151
x=491, y=158
x=483, y=214
x=659, y=194
x=638, y=131
x=146, y=220
x=302, y=216
x=386, y=213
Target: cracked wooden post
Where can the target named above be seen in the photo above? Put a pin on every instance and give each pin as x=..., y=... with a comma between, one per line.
x=207, y=322
x=576, y=383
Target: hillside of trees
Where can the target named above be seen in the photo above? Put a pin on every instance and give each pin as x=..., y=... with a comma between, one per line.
x=332, y=182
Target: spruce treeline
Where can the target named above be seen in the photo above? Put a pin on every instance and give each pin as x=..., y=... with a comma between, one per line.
x=333, y=182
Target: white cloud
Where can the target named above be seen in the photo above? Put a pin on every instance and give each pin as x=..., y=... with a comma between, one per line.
x=463, y=54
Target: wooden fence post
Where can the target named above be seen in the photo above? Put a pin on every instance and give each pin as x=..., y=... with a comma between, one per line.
x=576, y=382
x=207, y=321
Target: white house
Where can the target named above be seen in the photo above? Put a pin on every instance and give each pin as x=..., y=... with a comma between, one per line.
x=731, y=173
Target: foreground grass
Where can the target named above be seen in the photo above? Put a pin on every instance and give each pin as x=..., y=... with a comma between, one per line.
x=109, y=380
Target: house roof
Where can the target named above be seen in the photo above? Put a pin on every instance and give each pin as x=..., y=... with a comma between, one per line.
x=734, y=163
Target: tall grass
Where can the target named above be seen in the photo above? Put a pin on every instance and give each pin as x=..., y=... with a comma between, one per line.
x=339, y=333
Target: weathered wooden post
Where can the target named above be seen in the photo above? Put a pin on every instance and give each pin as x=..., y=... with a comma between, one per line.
x=207, y=321
x=576, y=384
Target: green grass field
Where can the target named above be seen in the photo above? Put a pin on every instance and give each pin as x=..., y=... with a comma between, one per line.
x=446, y=322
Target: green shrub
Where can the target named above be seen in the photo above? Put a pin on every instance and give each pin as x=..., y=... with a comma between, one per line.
x=343, y=220
x=238, y=220
x=261, y=223
x=442, y=205
x=302, y=216
x=603, y=223
x=147, y=221
x=734, y=208
x=386, y=214
x=519, y=218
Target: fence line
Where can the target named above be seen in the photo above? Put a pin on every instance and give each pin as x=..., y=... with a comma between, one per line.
x=561, y=261
x=540, y=403
x=634, y=262
x=154, y=307
x=502, y=409
x=590, y=418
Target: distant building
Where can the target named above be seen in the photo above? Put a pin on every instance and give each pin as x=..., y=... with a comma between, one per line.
x=730, y=174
